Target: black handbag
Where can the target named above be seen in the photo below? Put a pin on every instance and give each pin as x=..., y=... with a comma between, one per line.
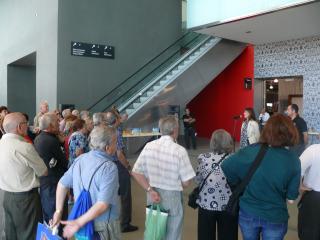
x=194, y=195
x=233, y=204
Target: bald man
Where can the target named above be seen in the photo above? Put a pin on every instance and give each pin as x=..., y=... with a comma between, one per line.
x=21, y=167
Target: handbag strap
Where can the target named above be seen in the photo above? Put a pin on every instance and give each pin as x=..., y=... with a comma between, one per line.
x=243, y=184
x=217, y=164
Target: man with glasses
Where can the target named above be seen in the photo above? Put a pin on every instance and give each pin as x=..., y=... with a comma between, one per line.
x=21, y=167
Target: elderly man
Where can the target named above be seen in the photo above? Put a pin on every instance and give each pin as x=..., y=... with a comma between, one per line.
x=48, y=146
x=98, y=163
x=124, y=168
x=21, y=166
x=44, y=108
x=163, y=169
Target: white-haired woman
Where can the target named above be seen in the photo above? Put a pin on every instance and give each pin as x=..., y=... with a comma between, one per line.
x=215, y=192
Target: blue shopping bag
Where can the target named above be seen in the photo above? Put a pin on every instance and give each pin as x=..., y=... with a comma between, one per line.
x=45, y=233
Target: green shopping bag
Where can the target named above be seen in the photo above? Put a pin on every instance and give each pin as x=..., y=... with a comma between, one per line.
x=156, y=223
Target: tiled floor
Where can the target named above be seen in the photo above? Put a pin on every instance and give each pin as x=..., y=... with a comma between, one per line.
x=190, y=219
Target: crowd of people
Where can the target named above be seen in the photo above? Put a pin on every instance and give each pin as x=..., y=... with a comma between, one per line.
x=46, y=166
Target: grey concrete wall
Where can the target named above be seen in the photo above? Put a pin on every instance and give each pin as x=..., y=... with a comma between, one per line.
x=22, y=89
x=138, y=30
x=27, y=27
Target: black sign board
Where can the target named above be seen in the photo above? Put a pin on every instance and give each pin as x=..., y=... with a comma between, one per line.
x=248, y=83
x=92, y=50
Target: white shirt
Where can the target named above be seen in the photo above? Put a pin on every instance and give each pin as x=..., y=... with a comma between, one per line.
x=310, y=167
x=20, y=164
x=165, y=164
x=264, y=118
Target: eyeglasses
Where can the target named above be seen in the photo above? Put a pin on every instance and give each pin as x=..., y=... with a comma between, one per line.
x=25, y=122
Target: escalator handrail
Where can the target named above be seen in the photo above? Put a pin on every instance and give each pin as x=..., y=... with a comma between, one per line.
x=179, y=39
x=175, y=64
x=113, y=103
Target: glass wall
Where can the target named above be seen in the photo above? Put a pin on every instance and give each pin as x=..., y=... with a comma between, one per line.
x=202, y=12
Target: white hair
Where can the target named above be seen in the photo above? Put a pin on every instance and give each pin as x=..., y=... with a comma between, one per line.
x=84, y=114
x=46, y=120
x=66, y=112
x=101, y=137
x=168, y=124
x=97, y=118
x=76, y=113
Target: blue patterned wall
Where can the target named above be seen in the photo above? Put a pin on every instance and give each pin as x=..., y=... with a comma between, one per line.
x=293, y=58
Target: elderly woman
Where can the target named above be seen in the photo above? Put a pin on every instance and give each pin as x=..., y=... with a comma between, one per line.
x=215, y=192
x=263, y=208
x=250, y=132
x=78, y=142
x=3, y=113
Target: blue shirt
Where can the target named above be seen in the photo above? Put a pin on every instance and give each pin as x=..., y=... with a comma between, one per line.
x=105, y=183
x=77, y=140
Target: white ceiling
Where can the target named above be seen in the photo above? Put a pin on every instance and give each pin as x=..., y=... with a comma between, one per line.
x=292, y=23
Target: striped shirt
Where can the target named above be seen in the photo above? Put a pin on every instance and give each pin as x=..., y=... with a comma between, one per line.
x=165, y=164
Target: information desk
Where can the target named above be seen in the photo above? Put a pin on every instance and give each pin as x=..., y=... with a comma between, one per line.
x=143, y=134
x=142, y=139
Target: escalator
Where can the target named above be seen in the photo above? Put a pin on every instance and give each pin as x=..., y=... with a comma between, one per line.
x=173, y=77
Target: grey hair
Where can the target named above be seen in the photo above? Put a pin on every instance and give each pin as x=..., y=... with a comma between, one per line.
x=84, y=114
x=44, y=102
x=221, y=142
x=97, y=118
x=46, y=120
x=101, y=137
x=75, y=112
x=65, y=112
x=110, y=118
x=168, y=124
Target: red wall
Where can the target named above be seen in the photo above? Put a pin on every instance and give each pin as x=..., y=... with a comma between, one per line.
x=225, y=97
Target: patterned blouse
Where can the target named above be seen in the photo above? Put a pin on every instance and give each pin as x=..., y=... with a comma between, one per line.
x=215, y=193
x=77, y=140
x=244, y=135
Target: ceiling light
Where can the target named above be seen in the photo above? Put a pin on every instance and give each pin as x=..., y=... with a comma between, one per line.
x=271, y=87
x=276, y=80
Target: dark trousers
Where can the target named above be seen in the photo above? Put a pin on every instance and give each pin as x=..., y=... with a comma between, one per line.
x=298, y=149
x=48, y=202
x=309, y=216
x=190, y=133
x=22, y=213
x=209, y=221
x=125, y=195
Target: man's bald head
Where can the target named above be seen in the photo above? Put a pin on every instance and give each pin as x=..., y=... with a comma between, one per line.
x=12, y=121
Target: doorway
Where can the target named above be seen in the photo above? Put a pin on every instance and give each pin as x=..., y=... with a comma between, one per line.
x=275, y=94
x=21, y=82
